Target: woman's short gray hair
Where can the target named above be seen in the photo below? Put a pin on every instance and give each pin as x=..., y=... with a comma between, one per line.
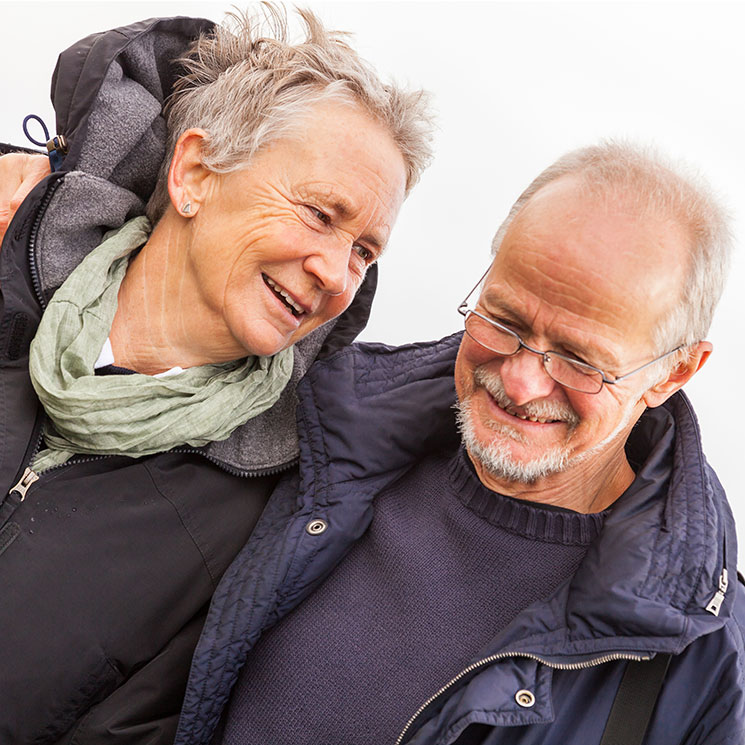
x=650, y=184
x=246, y=84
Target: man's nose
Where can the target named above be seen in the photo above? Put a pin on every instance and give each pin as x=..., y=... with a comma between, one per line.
x=525, y=378
x=329, y=263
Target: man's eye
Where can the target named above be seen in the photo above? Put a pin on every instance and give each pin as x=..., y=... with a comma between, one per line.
x=364, y=253
x=506, y=322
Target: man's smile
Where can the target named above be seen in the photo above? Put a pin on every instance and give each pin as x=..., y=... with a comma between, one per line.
x=513, y=411
x=534, y=412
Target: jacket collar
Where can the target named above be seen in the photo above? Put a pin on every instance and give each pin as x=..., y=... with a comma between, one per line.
x=645, y=584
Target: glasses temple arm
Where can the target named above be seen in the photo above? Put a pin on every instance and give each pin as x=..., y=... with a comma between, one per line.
x=646, y=364
x=462, y=308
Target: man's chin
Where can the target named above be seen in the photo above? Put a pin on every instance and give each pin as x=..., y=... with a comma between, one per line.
x=501, y=465
x=497, y=459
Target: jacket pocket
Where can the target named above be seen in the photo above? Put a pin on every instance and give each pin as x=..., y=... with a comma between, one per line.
x=102, y=679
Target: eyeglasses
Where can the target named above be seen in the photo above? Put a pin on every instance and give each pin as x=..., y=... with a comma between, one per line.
x=571, y=373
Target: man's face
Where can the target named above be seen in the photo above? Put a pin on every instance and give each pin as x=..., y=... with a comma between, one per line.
x=583, y=277
x=282, y=246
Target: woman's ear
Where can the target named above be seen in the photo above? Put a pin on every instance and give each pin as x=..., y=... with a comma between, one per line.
x=679, y=375
x=187, y=174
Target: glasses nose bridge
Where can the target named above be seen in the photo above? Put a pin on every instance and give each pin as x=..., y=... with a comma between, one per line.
x=545, y=356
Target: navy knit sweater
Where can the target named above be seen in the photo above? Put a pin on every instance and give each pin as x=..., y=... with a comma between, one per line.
x=445, y=564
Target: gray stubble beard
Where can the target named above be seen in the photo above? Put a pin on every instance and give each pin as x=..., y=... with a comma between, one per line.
x=495, y=456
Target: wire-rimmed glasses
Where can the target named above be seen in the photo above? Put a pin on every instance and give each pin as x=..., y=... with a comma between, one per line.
x=569, y=372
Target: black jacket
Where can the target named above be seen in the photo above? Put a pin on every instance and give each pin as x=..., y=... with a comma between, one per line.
x=107, y=564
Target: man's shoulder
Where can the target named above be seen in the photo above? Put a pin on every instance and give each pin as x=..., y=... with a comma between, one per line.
x=362, y=373
x=373, y=408
x=386, y=357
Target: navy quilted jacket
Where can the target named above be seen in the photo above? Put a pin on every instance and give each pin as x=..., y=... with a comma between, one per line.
x=369, y=412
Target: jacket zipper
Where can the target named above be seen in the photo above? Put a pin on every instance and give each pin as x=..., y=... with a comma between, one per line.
x=271, y=471
x=715, y=604
x=713, y=607
x=33, y=271
x=30, y=476
x=493, y=658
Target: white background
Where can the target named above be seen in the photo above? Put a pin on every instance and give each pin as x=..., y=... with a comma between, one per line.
x=516, y=85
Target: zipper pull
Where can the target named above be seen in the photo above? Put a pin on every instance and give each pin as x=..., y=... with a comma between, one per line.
x=715, y=604
x=28, y=478
x=56, y=146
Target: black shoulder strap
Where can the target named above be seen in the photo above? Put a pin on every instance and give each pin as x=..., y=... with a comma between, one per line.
x=635, y=701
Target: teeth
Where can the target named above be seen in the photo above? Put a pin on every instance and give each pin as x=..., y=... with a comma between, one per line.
x=286, y=295
x=512, y=412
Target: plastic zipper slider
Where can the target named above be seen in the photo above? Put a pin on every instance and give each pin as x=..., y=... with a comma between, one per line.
x=715, y=604
x=28, y=478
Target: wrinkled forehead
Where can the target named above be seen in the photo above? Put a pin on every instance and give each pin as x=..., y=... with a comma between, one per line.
x=589, y=254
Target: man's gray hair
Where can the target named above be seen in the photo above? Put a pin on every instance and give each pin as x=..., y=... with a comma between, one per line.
x=649, y=184
x=247, y=85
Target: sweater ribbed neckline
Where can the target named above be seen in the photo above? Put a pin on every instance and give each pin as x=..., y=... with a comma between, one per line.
x=529, y=519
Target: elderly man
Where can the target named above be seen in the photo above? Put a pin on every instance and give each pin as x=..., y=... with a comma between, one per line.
x=499, y=590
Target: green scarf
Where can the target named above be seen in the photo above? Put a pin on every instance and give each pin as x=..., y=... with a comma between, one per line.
x=136, y=414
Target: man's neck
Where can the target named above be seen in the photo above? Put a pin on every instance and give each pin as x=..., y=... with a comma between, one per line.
x=590, y=485
x=162, y=320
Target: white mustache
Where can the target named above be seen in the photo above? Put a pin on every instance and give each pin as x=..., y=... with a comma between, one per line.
x=555, y=410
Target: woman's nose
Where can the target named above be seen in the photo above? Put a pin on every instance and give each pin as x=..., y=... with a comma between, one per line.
x=330, y=266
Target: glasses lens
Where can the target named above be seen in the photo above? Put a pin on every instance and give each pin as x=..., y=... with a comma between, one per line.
x=574, y=374
x=490, y=336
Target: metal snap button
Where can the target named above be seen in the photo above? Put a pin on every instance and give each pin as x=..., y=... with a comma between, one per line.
x=316, y=527
x=525, y=698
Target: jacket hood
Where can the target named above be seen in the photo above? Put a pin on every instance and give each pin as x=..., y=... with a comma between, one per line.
x=108, y=92
x=644, y=585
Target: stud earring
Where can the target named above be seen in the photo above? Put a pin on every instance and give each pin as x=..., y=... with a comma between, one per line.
x=186, y=208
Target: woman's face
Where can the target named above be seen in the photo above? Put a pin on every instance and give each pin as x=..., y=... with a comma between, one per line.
x=280, y=247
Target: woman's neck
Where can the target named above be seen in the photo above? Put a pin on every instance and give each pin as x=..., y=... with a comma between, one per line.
x=162, y=320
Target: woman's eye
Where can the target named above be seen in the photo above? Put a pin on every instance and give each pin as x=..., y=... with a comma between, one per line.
x=364, y=253
x=322, y=216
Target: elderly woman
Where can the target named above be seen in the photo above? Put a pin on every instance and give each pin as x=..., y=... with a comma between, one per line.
x=144, y=426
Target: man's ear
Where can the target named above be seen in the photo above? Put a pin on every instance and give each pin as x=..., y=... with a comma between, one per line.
x=187, y=175
x=679, y=375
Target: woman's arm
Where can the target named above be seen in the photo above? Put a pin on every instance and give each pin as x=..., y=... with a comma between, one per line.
x=19, y=173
